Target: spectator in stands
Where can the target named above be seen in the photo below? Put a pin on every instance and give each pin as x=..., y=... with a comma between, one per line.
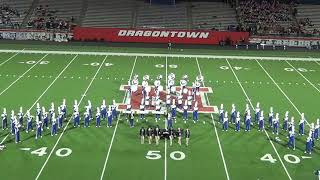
x=265, y=16
x=7, y=15
x=45, y=18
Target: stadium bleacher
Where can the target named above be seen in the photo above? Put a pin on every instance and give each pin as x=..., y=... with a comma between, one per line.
x=258, y=17
x=50, y=14
x=310, y=16
x=111, y=13
x=217, y=15
x=265, y=17
x=13, y=19
x=162, y=16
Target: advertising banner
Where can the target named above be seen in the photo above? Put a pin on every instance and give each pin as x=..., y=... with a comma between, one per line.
x=158, y=36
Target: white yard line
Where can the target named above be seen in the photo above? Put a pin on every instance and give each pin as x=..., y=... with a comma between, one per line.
x=65, y=128
x=4, y=139
x=285, y=95
x=215, y=129
x=245, y=93
x=115, y=130
x=11, y=57
x=304, y=77
x=161, y=55
x=23, y=74
x=317, y=62
x=165, y=124
x=44, y=92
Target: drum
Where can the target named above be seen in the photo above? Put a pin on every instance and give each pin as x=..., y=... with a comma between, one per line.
x=148, y=89
x=160, y=88
x=134, y=88
x=173, y=89
x=185, y=91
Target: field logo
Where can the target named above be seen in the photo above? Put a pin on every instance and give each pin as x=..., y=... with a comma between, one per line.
x=135, y=100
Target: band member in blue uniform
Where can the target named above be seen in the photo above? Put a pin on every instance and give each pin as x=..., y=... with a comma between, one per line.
x=261, y=122
x=109, y=114
x=20, y=116
x=270, y=116
x=185, y=111
x=257, y=113
x=225, y=122
x=301, y=125
x=17, y=132
x=29, y=122
x=76, y=119
x=221, y=113
x=131, y=119
x=4, y=119
x=285, y=121
x=292, y=142
x=39, y=128
x=98, y=118
x=233, y=114
x=248, y=121
x=103, y=109
x=54, y=125
x=238, y=122
x=195, y=112
x=276, y=124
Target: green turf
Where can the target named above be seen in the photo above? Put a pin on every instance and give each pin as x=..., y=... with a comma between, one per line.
x=116, y=153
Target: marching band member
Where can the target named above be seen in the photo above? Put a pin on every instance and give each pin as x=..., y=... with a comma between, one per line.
x=261, y=122
x=301, y=125
x=98, y=118
x=276, y=124
x=285, y=121
x=238, y=122
x=233, y=114
x=270, y=116
x=195, y=112
x=225, y=122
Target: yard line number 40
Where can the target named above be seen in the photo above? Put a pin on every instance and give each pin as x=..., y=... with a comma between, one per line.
x=62, y=152
x=290, y=158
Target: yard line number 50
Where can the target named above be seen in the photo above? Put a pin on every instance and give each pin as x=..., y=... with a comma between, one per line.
x=175, y=155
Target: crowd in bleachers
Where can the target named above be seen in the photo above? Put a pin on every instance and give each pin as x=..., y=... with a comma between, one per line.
x=45, y=18
x=256, y=16
x=7, y=14
x=304, y=25
x=272, y=17
x=266, y=16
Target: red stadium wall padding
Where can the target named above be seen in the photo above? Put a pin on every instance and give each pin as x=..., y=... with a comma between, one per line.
x=158, y=35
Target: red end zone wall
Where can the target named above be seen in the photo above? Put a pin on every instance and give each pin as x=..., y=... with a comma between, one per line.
x=157, y=35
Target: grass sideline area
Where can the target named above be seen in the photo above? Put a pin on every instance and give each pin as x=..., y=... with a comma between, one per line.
x=131, y=48
x=116, y=153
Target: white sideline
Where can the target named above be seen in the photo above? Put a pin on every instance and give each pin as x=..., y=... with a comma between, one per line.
x=23, y=74
x=44, y=92
x=245, y=93
x=115, y=130
x=215, y=129
x=295, y=107
x=12, y=57
x=4, y=139
x=304, y=77
x=160, y=55
x=65, y=128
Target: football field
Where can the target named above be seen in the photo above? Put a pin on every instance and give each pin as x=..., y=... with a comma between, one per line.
x=39, y=76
